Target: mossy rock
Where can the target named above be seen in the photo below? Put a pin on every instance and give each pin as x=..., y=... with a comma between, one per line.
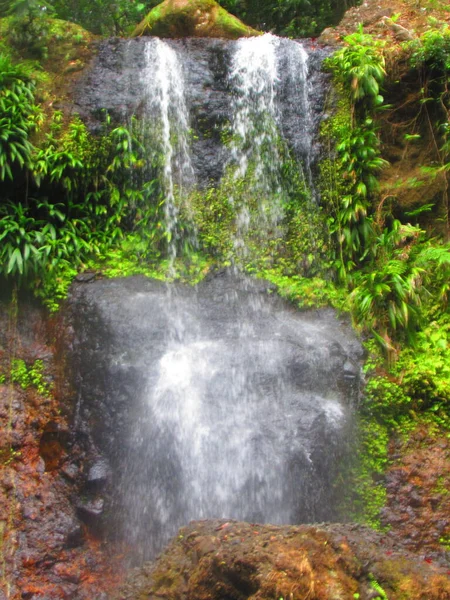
x=192, y=18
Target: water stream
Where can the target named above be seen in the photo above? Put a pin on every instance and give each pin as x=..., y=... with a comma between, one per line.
x=165, y=120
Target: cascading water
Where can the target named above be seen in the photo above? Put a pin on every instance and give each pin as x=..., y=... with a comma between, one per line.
x=293, y=62
x=220, y=401
x=244, y=415
x=261, y=68
x=255, y=141
x=165, y=120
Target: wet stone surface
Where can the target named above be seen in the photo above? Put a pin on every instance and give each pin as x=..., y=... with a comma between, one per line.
x=114, y=83
x=213, y=560
x=219, y=400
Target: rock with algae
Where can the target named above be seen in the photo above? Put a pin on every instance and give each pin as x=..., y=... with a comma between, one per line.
x=213, y=560
x=192, y=18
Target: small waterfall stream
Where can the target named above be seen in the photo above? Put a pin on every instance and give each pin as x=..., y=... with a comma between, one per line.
x=259, y=70
x=219, y=401
x=254, y=149
x=166, y=125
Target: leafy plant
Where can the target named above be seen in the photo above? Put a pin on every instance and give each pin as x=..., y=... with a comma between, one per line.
x=377, y=587
x=360, y=66
x=29, y=25
x=358, y=70
x=32, y=376
x=18, y=117
x=388, y=297
x=432, y=49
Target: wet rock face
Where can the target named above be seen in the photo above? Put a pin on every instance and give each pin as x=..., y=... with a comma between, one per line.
x=44, y=549
x=212, y=560
x=114, y=83
x=215, y=401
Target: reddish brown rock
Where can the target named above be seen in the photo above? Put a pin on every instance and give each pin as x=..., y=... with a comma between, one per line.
x=213, y=560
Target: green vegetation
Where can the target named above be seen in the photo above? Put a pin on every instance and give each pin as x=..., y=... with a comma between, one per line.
x=32, y=376
x=19, y=116
x=294, y=18
x=67, y=203
x=68, y=197
x=377, y=588
x=395, y=274
x=358, y=69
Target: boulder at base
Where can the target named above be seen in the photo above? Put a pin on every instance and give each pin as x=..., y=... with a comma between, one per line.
x=192, y=18
x=213, y=560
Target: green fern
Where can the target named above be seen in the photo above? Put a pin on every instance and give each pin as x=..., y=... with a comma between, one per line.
x=377, y=588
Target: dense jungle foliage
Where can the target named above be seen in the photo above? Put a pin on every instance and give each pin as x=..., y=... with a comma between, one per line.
x=297, y=18
x=67, y=203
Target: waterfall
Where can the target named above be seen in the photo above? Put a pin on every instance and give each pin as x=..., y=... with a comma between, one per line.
x=214, y=106
x=298, y=88
x=260, y=68
x=253, y=78
x=219, y=401
x=243, y=415
x=166, y=117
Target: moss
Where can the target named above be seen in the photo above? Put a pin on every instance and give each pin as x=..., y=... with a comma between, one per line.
x=64, y=48
x=196, y=18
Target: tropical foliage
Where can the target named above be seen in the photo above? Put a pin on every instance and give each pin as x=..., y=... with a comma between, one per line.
x=70, y=197
x=359, y=71
x=18, y=117
x=296, y=18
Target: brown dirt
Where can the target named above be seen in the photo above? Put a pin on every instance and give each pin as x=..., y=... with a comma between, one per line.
x=411, y=15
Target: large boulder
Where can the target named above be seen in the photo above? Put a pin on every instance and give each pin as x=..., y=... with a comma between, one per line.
x=214, y=560
x=192, y=18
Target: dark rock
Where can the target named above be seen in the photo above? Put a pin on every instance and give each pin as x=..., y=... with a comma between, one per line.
x=67, y=572
x=114, y=84
x=75, y=538
x=86, y=277
x=415, y=499
x=91, y=510
x=70, y=471
x=98, y=474
x=435, y=501
x=69, y=591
